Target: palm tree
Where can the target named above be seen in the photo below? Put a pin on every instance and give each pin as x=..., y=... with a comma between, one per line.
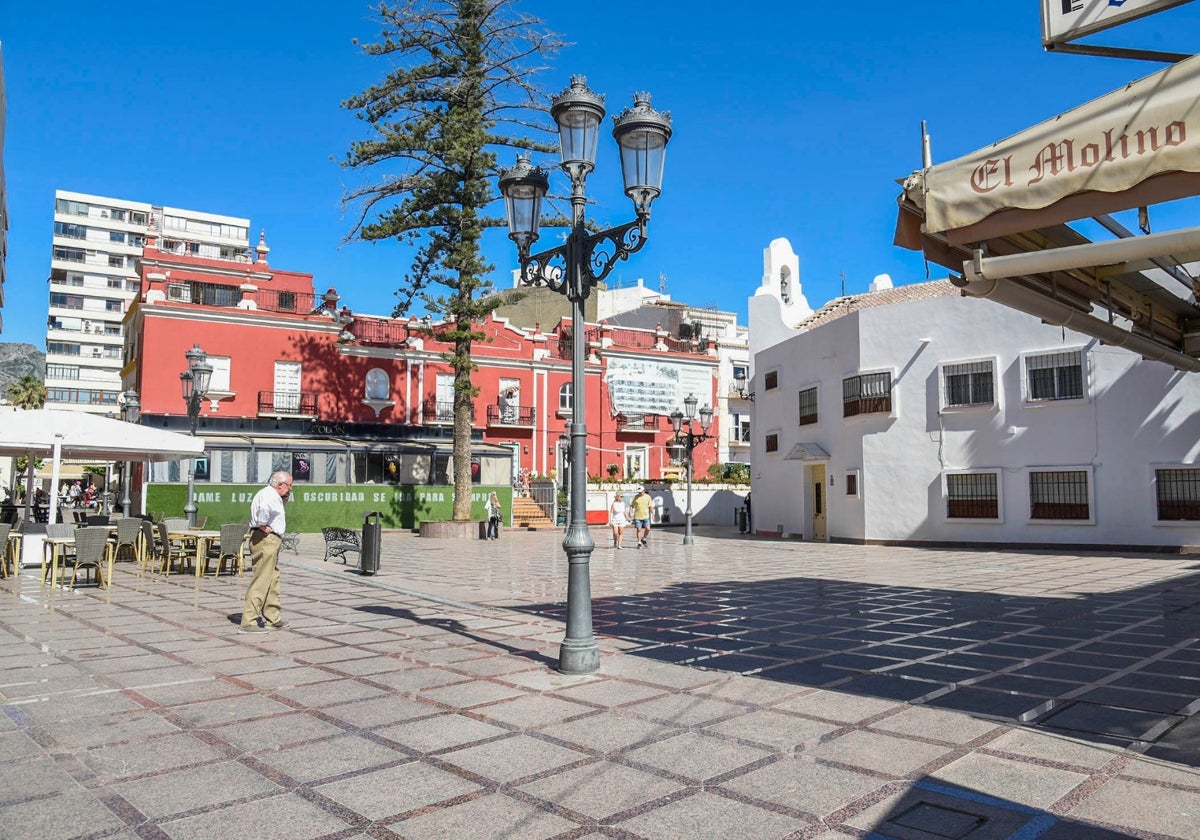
x=27, y=392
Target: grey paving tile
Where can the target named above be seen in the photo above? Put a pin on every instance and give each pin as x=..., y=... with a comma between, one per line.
x=707, y=816
x=896, y=757
x=393, y=791
x=203, y=786
x=696, y=756
x=484, y=818
x=1142, y=807
x=441, y=732
x=512, y=758
x=258, y=818
x=805, y=785
x=314, y=760
x=601, y=789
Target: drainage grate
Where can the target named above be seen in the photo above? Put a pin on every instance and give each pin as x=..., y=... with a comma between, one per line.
x=938, y=820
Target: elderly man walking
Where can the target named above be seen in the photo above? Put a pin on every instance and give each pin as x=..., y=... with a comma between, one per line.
x=267, y=526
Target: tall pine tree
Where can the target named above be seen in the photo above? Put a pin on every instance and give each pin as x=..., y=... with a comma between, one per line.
x=459, y=87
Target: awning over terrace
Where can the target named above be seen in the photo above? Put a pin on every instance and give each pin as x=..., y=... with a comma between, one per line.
x=1000, y=214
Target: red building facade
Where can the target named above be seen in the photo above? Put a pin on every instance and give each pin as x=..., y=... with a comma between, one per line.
x=303, y=383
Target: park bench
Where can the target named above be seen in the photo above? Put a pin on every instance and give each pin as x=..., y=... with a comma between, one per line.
x=340, y=540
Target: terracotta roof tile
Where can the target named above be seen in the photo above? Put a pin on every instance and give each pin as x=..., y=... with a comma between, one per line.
x=884, y=297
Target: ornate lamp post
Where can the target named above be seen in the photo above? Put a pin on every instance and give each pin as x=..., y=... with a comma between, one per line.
x=684, y=444
x=574, y=269
x=131, y=412
x=194, y=382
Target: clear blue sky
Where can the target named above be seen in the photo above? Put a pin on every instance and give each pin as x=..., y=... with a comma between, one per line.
x=791, y=119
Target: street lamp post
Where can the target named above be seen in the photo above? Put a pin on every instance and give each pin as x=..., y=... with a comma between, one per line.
x=574, y=269
x=684, y=444
x=131, y=412
x=194, y=382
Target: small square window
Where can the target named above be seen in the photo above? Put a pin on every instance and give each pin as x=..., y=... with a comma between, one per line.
x=867, y=393
x=1059, y=495
x=972, y=496
x=772, y=442
x=1177, y=494
x=1054, y=376
x=969, y=384
x=771, y=380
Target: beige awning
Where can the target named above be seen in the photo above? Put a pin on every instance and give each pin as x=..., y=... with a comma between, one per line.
x=1101, y=151
x=999, y=216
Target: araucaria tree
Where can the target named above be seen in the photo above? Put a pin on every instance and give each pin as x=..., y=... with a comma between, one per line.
x=459, y=88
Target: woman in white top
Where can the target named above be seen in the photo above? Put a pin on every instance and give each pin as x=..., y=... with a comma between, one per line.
x=617, y=519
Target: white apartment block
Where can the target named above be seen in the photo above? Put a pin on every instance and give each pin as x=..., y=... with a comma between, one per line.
x=93, y=277
x=915, y=415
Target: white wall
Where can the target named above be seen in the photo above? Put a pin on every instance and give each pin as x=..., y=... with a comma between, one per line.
x=1137, y=414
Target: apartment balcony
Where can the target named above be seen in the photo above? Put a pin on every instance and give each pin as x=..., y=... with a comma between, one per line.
x=286, y=404
x=440, y=413
x=636, y=423
x=513, y=416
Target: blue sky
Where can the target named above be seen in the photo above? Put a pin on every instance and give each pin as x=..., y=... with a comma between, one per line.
x=791, y=119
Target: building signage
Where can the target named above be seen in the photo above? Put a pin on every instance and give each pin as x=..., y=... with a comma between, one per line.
x=641, y=386
x=1066, y=20
x=317, y=506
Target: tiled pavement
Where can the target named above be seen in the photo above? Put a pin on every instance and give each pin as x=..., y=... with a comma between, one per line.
x=749, y=689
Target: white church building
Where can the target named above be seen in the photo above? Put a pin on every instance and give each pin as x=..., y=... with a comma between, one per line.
x=913, y=414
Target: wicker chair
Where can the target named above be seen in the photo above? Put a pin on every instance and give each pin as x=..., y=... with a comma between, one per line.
x=171, y=552
x=149, y=549
x=128, y=533
x=231, y=549
x=58, y=530
x=92, y=551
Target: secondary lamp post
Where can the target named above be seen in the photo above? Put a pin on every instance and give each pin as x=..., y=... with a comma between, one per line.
x=684, y=444
x=574, y=269
x=131, y=411
x=194, y=382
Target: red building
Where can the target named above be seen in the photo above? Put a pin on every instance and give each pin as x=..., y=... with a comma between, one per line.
x=300, y=382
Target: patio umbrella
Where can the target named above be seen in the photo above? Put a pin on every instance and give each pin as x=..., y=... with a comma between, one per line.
x=76, y=434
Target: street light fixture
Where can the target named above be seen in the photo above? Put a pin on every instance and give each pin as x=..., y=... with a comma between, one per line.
x=684, y=444
x=573, y=269
x=742, y=385
x=194, y=382
x=131, y=412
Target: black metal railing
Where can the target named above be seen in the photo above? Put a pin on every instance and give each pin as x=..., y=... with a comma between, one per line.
x=510, y=415
x=440, y=412
x=638, y=423
x=287, y=402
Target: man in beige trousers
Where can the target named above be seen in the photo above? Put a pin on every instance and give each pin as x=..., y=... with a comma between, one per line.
x=267, y=526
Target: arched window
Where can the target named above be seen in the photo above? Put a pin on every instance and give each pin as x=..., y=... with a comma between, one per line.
x=566, y=400
x=378, y=387
x=785, y=284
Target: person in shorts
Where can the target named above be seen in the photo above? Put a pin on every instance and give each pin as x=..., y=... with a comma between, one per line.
x=641, y=516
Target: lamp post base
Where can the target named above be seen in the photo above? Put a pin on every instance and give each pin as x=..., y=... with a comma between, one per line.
x=578, y=657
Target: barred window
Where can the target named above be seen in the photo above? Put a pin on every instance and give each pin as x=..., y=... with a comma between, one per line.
x=808, y=406
x=1055, y=376
x=867, y=393
x=772, y=442
x=1177, y=492
x=970, y=383
x=972, y=496
x=1059, y=494
x=771, y=380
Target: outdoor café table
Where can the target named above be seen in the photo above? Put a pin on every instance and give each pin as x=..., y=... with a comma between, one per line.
x=52, y=549
x=200, y=541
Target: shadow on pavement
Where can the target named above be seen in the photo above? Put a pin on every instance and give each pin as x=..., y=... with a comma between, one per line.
x=458, y=628
x=1117, y=667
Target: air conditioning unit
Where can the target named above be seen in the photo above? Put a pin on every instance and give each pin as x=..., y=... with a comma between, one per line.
x=181, y=292
x=103, y=214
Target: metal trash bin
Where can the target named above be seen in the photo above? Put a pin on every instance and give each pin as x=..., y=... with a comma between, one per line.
x=371, y=534
x=739, y=517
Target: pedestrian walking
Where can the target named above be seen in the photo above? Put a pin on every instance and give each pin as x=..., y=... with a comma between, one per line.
x=262, y=611
x=618, y=518
x=640, y=507
x=495, y=517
